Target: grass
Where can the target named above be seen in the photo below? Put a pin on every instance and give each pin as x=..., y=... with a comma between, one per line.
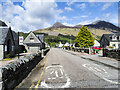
x=8, y=59
x=74, y=32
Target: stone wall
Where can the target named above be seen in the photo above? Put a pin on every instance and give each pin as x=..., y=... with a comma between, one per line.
x=83, y=50
x=13, y=73
x=113, y=53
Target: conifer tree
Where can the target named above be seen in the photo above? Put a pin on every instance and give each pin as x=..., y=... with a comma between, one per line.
x=84, y=38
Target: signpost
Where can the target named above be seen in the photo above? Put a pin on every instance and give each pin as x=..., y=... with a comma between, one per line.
x=20, y=40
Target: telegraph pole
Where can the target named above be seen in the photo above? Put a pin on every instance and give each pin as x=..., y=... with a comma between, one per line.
x=18, y=44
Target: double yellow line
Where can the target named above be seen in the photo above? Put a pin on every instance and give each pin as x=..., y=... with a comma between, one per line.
x=38, y=83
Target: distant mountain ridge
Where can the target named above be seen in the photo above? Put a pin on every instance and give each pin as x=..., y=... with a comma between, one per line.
x=103, y=25
x=97, y=25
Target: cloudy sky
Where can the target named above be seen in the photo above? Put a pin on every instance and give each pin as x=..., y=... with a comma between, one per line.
x=28, y=15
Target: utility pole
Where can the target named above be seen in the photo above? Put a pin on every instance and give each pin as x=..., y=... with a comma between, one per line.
x=18, y=45
x=70, y=41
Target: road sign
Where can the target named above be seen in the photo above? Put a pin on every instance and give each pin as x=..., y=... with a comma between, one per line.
x=20, y=40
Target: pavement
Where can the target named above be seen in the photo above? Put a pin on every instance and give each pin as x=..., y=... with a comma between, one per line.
x=65, y=69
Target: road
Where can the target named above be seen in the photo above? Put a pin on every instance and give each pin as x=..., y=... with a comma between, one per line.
x=62, y=69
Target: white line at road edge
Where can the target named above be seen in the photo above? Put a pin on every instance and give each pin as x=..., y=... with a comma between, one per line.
x=67, y=84
x=89, y=68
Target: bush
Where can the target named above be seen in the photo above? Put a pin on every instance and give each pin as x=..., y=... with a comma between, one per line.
x=8, y=56
x=110, y=47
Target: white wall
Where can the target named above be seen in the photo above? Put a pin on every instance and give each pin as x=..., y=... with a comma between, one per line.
x=33, y=49
x=116, y=44
x=1, y=52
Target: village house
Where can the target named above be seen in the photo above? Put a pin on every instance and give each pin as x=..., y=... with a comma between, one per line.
x=97, y=44
x=34, y=43
x=110, y=40
x=8, y=41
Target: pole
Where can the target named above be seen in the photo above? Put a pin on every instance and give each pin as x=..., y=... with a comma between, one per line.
x=70, y=41
x=18, y=45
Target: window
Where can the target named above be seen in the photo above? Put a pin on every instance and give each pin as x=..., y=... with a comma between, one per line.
x=110, y=37
x=118, y=38
x=118, y=45
x=31, y=39
x=114, y=38
x=12, y=48
x=113, y=45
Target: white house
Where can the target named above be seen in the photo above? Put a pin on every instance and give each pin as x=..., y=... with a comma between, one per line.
x=97, y=44
x=110, y=40
x=60, y=45
x=66, y=44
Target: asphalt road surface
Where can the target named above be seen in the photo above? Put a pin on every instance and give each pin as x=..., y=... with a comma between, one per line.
x=66, y=70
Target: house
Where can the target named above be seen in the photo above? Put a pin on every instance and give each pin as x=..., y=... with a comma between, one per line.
x=60, y=45
x=97, y=44
x=66, y=44
x=8, y=42
x=34, y=43
x=110, y=40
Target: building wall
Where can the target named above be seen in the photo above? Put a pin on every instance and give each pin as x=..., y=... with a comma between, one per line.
x=1, y=52
x=12, y=45
x=31, y=49
x=116, y=44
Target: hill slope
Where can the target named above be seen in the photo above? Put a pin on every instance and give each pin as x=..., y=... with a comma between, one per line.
x=97, y=28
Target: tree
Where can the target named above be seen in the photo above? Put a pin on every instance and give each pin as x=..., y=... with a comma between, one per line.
x=84, y=38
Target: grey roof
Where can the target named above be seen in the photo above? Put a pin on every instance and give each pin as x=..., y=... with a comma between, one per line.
x=40, y=37
x=2, y=23
x=108, y=37
x=3, y=34
x=15, y=36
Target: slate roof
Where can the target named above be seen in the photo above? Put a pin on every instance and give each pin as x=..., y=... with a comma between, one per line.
x=40, y=37
x=2, y=23
x=3, y=34
x=15, y=36
x=108, y=37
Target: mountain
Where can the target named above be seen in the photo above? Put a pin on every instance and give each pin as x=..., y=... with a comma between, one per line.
x=104, y=26
x=97, y=28
x=59, y=25
x=2, y=23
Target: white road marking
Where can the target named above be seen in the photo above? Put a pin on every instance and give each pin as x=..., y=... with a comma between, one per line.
x=61, y=71
x=56, y=73
x=67, y=84
x=52, y=72
x=103, y=77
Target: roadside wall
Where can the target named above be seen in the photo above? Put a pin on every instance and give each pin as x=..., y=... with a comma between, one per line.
x=83, y=50
x=115, y=53
x=13, y=73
